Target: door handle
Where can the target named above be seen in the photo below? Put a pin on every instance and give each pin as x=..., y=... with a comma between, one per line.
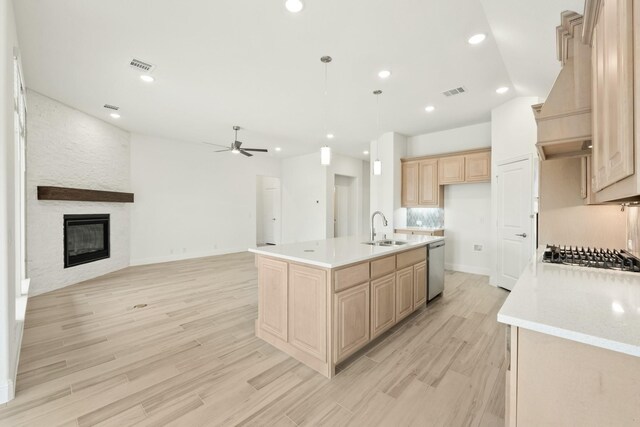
x=273, y=219
x=522, y=235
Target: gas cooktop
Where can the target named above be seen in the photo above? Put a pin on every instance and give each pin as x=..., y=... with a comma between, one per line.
x=592, y=257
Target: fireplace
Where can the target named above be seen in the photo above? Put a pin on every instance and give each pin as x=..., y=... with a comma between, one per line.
x=86, y=239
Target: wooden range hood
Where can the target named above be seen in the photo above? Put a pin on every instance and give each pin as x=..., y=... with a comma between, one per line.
x=564, y=119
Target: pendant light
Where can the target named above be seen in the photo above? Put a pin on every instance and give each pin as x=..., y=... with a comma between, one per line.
x=325, y=152
x=377, y=164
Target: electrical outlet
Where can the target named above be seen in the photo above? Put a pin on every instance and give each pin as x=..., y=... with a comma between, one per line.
x=477, y=248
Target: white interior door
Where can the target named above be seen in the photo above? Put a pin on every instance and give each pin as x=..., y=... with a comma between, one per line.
x=268, y=216
x=515, y=220
x=342, y=214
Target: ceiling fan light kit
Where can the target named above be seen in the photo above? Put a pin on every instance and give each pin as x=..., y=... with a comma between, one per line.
x=236, y=146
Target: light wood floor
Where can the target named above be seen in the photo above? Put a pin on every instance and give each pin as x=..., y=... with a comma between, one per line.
x=190, y=358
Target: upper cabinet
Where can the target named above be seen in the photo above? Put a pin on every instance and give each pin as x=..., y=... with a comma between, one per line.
x=423, y=178
x=429, y=189
x=477, y=167
x=612, y=30
x=410, y=184
x=612, y=64
x=452, y=170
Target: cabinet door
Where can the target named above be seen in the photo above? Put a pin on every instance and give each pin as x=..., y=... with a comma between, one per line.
x=404, y=293
x=612, y=62
x=419, y=285
x=308, y=310
x=478, y=167
x=429, y=186
x=451, y=170
x=383, y=304
x=352, y=320
x=272, y=307
x=410, y=185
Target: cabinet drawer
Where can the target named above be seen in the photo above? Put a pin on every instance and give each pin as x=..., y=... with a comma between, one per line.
x=411, y=257
x=383, y=266
x=351, y=276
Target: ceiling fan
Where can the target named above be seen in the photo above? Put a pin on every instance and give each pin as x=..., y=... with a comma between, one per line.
x=236, y=146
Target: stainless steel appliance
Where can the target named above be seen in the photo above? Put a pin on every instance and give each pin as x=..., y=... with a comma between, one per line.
x=435, y=258
x=592, y=257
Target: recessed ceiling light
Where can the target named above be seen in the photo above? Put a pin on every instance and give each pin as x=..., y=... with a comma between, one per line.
x=278, y=149
x=429, y=108
x=477, y=38
x=502, y=90
x=294, y=6
x=147, y=78
x=384, y=74
x=330, y=136
x=365, y=152
x=115, y=115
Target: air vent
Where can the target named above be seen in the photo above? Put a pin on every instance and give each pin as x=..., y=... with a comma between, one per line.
x=141, y=65
x=455, y=91
x=111, y=107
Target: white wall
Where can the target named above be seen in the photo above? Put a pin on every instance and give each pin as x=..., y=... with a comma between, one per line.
x=190, y=201
x=386, y=189
x=10, y=330
x=307, y=195
x=513, y=134
x=365, y=224
x=68, y=148
x=466, y=223
x=467, y=207
x=447, y=141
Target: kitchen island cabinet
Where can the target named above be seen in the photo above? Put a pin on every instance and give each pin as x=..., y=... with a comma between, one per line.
x=322, y=301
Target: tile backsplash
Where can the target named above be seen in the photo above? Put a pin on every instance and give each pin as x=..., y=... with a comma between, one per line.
x=633, y=230
x=425, y=217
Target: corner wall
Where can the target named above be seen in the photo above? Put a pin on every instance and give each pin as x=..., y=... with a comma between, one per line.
x=68, y=148
x=190, y=201
x=10, y=330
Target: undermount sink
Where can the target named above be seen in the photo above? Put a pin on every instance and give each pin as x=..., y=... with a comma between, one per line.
x=385, y=243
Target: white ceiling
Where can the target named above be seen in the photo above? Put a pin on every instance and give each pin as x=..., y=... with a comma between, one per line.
x=252, y=63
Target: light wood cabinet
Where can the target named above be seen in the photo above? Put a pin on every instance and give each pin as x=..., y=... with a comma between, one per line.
x=410, y=184
x=322, y=316
x=307, y=311
x=419, y=285
x=558, y=382
x=451, y=170
x=272, y=307
x=383, y=304
x=352, y=320
x=613, y=93
x=429, y=190
x=478, y=167
x=404, y=293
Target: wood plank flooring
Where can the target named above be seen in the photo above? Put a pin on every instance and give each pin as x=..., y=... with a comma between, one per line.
x=190, y=357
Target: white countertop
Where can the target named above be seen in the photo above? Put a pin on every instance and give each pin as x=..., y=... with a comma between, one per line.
x=588, y=305
x=332, y=253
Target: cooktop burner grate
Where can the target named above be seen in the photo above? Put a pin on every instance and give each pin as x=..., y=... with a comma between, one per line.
x=591, y=257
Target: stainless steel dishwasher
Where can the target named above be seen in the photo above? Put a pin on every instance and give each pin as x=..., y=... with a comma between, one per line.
x=435, y=258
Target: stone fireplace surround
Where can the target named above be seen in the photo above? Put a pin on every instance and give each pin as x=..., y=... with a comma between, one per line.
x=68, y=148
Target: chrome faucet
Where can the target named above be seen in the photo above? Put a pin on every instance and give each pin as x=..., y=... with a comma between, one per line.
x=373, y=227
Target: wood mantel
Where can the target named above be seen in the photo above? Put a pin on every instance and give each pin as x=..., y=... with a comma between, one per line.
x=82, y=195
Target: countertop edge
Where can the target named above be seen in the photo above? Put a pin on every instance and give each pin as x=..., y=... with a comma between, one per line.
x=389, y=251
x=580, y=337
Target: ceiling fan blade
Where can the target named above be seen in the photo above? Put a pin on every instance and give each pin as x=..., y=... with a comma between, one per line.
x=261, y=150
x=217, y=145
x=246, y=154
x=221, y=151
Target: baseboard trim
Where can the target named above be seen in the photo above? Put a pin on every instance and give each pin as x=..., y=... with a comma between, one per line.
x=7, y=391
x=181, y=257
x=484, y=271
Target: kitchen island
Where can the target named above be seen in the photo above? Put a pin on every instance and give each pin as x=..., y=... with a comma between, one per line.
x=575, y=346
x=322, y=301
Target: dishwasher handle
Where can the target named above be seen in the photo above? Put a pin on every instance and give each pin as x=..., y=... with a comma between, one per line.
x=435, y=245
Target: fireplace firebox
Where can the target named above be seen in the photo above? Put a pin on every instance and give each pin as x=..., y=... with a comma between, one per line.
x=86, y=239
